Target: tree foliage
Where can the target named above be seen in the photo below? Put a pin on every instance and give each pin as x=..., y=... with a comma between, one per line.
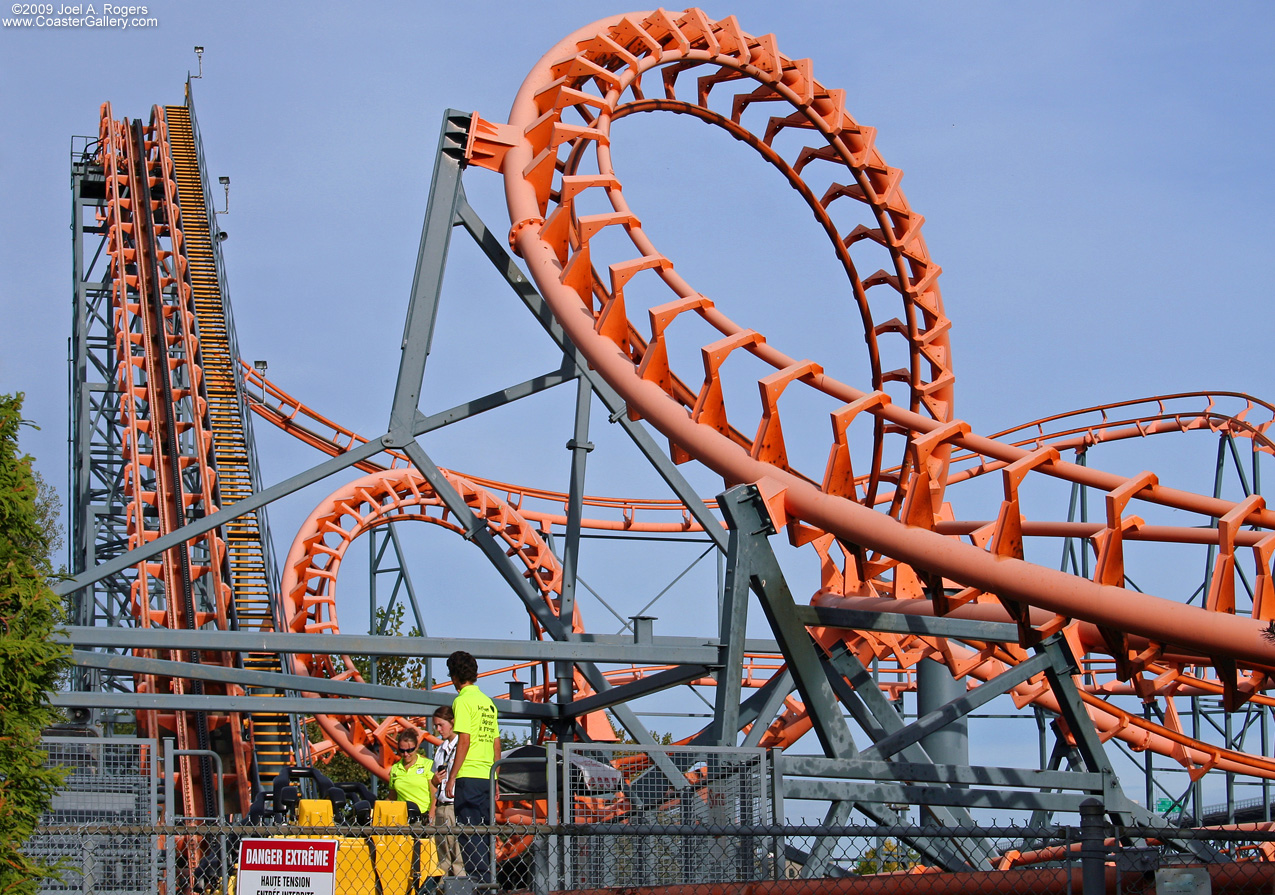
x=30, y=664
x=892, y=858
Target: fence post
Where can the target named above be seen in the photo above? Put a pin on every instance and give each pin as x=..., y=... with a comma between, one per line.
x=777, y=813
x=540, y=862
x=553, y=817
x=224, y=845
x=1093, y=854
x=170, y=812
x=89, y=866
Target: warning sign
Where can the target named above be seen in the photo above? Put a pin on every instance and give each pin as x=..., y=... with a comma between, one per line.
x=287, y=867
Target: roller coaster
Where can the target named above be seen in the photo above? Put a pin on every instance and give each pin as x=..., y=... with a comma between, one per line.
x=185, y=617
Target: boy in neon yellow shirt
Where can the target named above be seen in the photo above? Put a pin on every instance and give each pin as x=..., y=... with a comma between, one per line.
x=477, y=749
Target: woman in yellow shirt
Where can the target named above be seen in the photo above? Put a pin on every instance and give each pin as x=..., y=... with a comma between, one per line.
x=412, y=776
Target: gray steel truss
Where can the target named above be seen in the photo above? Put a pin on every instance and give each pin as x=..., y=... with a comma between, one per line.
x=890, y=767
x=896, y=769
x=99, y=529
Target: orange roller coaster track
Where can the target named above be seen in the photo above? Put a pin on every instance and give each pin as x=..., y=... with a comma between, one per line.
x=593, y=73
x=911, y=568
x=399, y=494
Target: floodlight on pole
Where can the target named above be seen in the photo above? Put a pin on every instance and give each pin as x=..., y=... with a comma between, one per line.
x=225, y=185
x=199, y=52
x=260, y=366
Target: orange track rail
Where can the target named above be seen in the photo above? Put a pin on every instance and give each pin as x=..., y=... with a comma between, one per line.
x=555, y=157
x=313, y=566
x=166, y=438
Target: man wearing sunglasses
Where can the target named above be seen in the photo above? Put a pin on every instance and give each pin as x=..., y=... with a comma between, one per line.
x=412, y=776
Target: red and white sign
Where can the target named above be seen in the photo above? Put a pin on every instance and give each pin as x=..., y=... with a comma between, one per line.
x=286, y=867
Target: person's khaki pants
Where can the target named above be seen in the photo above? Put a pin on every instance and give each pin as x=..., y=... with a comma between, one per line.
x=449, y=859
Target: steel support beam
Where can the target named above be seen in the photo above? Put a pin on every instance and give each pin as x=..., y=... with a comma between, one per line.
x=946, y=796
x=651, y=683
x=961, y=707
x=899, y=623
x=924, y=772
x=431, y=260
x=359, y=693
x=607, y=648
x=579, y=446
x=494, y=248
x=206, y=523
x=297, y=705
x=732, y=624
x=763, y=706
x=755, y=563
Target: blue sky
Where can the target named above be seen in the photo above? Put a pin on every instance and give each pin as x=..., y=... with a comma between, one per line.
x=1095, y=176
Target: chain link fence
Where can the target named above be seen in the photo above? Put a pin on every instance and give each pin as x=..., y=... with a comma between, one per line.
x=590, y=817
x=695, y=859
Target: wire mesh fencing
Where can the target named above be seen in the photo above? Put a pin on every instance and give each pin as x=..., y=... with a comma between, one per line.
x=586, y=818
x=111, y=787
x=682, y=859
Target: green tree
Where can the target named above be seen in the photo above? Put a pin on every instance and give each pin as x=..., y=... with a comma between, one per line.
x=894, y=856
x=29, y=613
x=661, y=739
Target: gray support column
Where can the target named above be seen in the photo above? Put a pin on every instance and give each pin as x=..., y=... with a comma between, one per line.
x=748, y=519
x=747, y=516
x=1071, y=707
x=580, y=446
x=445, y=196
x=934, y=688
x=1122, y=810
x=751, y=560
x=1093, y=853
x=732, y=626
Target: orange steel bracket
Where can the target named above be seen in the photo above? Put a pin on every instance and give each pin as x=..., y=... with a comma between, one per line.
x=1264, y=589
x=838, y=476
x=488, y=143
x=926, y=490
x=710, y=406
x=654, y=366
x=769, y=446
x=1110, y=564
x=1007, y=540
x=1222, y=582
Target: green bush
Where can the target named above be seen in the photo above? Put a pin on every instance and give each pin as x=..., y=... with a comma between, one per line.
x=30, y=665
